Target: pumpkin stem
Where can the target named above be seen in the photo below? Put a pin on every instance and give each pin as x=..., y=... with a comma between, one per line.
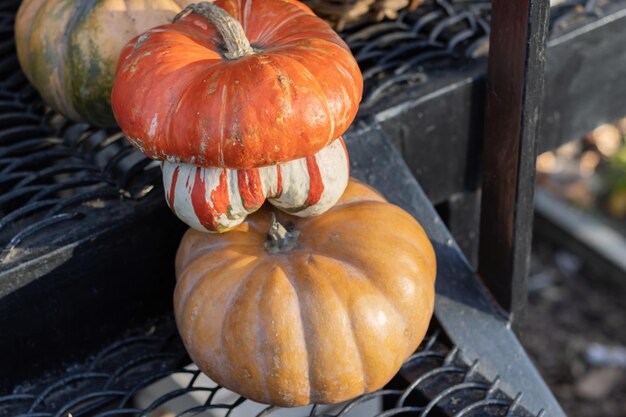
x=235, y=39
x=279, y=239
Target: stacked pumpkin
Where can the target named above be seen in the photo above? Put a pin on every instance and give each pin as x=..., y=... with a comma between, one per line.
x=243, y=101
x=242, y=115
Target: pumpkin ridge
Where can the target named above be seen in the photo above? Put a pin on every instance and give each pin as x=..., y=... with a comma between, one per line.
x=258, y=296
x=221, y=121
x=339, y=64
x=329, y=113
x=22, y=53
x=357, y=93
x=182, y=290
x=188, y=288
x=260, y=340
x=230, y=303
x=361, y=274
x=77, y=79
x=180, y=104
x=20, y=39
x=388, y=298
x=54, y=95
x=203, y=304
x=246, y=14
x=432, y=267
x=188, y=305
x=427, y=253
x=364, y=371
x=421, y=249
x=405, y=217
x=174, y=107
x=349, y=313
x=190, y=35
x=340, y=205
x=261, y=329
x=197, y=257
x=263, y=38
x=306, y=334
x=411, y=222
x=328, y=284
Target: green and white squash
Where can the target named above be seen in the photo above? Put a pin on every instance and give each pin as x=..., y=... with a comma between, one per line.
x=68, y=49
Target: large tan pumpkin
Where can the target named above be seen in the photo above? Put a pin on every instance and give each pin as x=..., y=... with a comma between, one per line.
x=321, y=314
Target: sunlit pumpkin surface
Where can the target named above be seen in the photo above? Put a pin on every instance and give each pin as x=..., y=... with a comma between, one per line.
x=177, y=96
x=331, y=316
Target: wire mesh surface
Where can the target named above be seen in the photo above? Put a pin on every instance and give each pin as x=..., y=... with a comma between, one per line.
x=146, y=373
x=56, y=176
x=437, y=35
x=441, y=36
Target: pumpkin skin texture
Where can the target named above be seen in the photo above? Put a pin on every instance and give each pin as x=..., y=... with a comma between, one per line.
x=330, y=319
x=218, y=199
x=293, y=92
x=69, y=49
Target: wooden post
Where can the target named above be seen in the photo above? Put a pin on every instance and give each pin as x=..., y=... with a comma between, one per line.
x=515, y=85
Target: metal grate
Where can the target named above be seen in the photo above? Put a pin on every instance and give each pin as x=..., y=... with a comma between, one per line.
x=437, y=35
x=440, y=36
x=55, y=175
x=433, y=382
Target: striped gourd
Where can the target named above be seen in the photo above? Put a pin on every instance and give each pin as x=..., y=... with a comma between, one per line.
x=218, y=199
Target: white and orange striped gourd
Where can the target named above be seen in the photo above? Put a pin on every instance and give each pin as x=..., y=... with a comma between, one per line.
x=218, y=199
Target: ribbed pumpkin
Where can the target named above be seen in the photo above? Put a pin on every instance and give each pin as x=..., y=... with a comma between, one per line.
x=321, y=311
x=218, y=199
x=237, y=84
x=69, y=49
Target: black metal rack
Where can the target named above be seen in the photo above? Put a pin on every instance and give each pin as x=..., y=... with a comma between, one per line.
x=442, y=378
x=110, y=381
x=87, y=241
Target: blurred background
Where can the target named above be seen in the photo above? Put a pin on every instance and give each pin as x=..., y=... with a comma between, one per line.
x=576, y=323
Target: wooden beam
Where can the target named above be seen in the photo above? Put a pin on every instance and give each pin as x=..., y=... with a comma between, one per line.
x=515, y=86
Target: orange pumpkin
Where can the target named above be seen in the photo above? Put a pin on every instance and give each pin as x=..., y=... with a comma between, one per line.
x=237, y=84
x=321, y=311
